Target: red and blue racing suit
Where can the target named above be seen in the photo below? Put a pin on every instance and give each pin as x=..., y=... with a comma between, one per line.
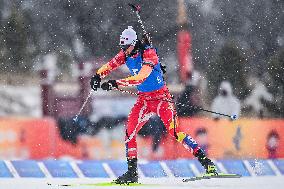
x=153, y=98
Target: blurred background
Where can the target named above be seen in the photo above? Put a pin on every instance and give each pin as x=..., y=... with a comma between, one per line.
x=225, y=56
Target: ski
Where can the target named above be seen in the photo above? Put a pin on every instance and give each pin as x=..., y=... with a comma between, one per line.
x=99, y=184
x=205, y=176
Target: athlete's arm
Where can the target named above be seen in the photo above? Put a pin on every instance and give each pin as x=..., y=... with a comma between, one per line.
x=114, y=63
x=136, y=79
x=150, y=59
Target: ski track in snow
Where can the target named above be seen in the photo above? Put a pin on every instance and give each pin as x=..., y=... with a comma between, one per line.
x=268, y=182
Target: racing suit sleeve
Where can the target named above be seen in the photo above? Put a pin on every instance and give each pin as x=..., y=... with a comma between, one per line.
x=114, y=63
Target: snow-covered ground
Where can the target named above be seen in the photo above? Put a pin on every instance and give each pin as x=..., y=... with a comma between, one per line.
x=268, y=182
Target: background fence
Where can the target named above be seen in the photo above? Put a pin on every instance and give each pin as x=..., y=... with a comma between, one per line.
x=151, y=169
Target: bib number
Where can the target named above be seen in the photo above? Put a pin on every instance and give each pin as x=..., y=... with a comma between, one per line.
x=135, y=71
x=159, y=79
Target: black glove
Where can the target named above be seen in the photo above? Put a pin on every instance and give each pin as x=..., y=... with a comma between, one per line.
x=95, y=82
x=109, y=85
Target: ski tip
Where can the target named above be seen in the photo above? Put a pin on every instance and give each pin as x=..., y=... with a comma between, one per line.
x=220, y=175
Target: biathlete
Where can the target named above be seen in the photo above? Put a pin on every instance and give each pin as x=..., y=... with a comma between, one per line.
x=153, y=98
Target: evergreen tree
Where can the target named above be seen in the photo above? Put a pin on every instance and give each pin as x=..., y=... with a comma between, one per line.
x=276, y=71
x=276, y=68
x=229, y=65
x=16, y=42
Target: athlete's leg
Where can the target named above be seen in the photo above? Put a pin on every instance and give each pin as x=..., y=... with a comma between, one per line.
x=167, y=113
x=138, y=116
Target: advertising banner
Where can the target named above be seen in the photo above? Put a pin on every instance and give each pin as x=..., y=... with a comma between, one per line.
x=22, y=138
x=244, y=138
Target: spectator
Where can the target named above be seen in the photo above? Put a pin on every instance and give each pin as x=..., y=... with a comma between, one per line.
x=189, y=100
x=272, y=144
x=259, y=94
x=226, y=102
x=201, y=136
x=154, y=128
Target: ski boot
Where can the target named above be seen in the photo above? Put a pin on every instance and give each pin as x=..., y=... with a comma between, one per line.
x=208, y=165
x=131, y=176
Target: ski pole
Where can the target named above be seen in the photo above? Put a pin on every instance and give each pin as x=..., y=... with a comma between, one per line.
x=137, y=10
x=82, y=107
x=233, y=117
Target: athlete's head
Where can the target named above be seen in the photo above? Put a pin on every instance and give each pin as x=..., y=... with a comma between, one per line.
x=128, y=39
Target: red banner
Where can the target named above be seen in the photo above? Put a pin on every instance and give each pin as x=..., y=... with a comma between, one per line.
x=184, y=54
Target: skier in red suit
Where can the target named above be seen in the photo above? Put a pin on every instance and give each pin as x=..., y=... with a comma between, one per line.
x=154, y=98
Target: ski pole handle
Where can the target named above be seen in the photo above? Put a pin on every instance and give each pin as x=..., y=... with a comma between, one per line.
x=136, y=8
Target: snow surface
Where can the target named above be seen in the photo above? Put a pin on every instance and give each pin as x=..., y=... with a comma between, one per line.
x=268, y=182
